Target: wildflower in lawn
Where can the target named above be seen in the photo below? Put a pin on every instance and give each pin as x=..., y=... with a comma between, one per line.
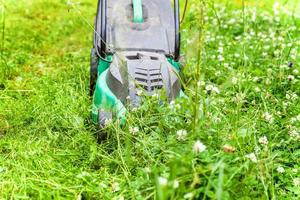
x=121, y=198
x=234, y=80
x=107, y=122
x=268, y=81
x=280, y=170
x=174, y=105
x=147, y=170
x=296, y=182
x=295, y=119
x=139, y=92
x=255, y=79
x=200, y=83
x=115, y=187
x=175, y=184
x=269, y=70
x=19, y=79
x=252, y=157
x=263, y=140
x=268, y=117
x=188, y=195
x=294, y=134
x=83, y=174
x=295, y=71
x=181, y=135
x=291, y=77
x=133, y=130
x=220, y=58
x=237, y=55
x=212, y=89
x=291, y=96
x=228, y=149
x=155, y=95
x=257, y=89
x=295, y=170
x=103, y=185
x=199, y=147
x=277, y=52
x=162, y=181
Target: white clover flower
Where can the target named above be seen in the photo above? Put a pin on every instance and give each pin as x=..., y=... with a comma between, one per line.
x=216, y=90
x=147, y=170
x=139, y=92
x=83, y=174
x=295, y=170
x=199, y=147
x=175, y=184
x=277, y=52
x=188, y=195
x=155, y=95
x=208, y=87
x=115, y=187
x=107, y=122
x=263, y=140
x=291, y=77
x=269, y=70
x=268, y=81
x=255, y=79
x=252, y=157
x=220, y=49
x=200, y=83
x=237, y=55
x=296, y=182
x=162, y=181
x=181, y=134
x=268, y=117
x=19, y=79
x=294, y=134
x=220, y=58
x=232, y=21
x=133, y=130
x=280, y=170
x=257, y=89
x=295, y=71
x=234, y=80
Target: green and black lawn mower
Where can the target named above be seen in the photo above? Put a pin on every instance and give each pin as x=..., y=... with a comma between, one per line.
x=136, y=46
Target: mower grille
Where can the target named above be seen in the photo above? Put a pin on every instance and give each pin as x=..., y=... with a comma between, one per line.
x=149, y=79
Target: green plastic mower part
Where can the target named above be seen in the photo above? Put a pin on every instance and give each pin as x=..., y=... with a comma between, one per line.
x=175, y=64
x=104, y=64
x=103, y=96
x=137, y=11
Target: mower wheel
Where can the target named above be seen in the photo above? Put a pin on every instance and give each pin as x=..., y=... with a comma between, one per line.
x=103, y=118
x=93, y=70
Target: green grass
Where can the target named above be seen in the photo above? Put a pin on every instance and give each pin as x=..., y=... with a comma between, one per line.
x=239, y=89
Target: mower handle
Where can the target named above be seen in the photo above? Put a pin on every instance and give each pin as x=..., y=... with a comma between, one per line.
x=102, y=8
x=177, y=29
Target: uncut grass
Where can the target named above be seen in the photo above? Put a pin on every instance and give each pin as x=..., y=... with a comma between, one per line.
x=49, y=150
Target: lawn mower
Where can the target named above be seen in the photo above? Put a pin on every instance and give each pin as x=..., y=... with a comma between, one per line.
x=136, y=46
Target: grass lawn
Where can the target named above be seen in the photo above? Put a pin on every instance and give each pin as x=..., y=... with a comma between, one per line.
x=235, y=136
